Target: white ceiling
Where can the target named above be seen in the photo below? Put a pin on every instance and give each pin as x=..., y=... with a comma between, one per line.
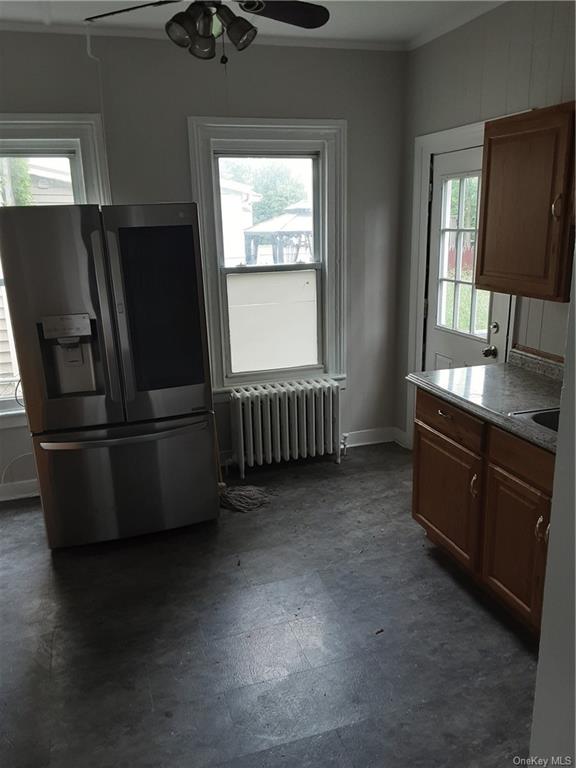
x=353, y=23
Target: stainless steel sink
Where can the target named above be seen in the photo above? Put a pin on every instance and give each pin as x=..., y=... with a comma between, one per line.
x=547, y=418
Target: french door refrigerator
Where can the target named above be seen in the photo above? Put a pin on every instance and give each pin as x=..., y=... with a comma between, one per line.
x=107, y=311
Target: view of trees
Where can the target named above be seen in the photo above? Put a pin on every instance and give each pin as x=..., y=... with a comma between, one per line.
x=272, y=179
x=15, y=187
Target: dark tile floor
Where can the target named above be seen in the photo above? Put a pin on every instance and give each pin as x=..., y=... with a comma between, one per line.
x=321, y=631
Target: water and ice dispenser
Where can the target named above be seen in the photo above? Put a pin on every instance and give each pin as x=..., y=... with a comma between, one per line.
x=67, y=346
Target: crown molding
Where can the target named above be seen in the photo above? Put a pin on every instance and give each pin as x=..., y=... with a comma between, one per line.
x=159, y=34
x=459, y=18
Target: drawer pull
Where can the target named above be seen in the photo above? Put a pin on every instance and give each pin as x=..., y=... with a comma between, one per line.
x=547, y=534
x=539, y=524
x=444, y=414
x=473, y=488
x=557, y=208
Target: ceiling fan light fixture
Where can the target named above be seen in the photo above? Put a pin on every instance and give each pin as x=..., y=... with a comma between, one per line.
x=240, y=31
x=203, y=43
x=181, y=28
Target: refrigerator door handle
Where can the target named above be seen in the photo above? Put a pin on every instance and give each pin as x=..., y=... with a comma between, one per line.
x=82, y=445
x=108, y=334
x=120, y=313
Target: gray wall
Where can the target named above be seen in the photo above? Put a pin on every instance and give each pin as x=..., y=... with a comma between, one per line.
x=518, y=56
x=148, y=89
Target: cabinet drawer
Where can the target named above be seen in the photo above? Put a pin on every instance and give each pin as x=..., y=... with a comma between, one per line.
x=450, y=420
x=526, y=461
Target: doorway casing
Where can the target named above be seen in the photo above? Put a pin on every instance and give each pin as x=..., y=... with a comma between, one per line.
x=425, y=147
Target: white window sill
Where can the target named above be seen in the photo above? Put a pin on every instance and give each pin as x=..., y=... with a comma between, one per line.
x=13, y=419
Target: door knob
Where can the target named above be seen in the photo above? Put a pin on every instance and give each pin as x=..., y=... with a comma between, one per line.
x=490, y=351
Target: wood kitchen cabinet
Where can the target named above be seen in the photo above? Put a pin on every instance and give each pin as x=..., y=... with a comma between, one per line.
x=516, y=518
x=483, y=495
x=447, y=494
x=526, y=230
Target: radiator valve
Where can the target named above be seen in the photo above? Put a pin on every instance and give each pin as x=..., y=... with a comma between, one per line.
x=344, y=443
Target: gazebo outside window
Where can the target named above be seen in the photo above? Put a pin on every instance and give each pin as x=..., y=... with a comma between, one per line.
x=287, y=238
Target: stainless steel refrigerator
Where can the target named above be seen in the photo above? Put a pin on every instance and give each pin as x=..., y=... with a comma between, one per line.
x=107, y=310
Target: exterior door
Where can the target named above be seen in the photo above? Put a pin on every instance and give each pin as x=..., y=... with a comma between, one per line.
x=159, y=306
x=464, y=325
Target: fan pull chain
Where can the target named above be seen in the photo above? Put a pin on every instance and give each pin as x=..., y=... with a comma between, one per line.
x=224, y=58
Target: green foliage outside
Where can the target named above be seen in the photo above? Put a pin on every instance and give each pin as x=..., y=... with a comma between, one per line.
x=15, y=187
x=272, y=179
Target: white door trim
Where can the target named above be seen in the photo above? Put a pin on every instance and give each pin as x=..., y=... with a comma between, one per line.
x=451, y=140
x=425, y=147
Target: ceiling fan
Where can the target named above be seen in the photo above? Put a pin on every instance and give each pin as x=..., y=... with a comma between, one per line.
x=203, y=21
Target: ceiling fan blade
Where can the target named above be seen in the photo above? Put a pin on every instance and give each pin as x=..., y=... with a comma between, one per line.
x=300, y=14
x=133, y=8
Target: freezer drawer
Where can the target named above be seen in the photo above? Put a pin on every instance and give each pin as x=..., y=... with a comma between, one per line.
x=125, y=481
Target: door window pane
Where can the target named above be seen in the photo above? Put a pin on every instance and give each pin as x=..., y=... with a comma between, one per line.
x=272, y=320
x=461, y=307
x=160, y=285
x=267, y=210
x=26, y=180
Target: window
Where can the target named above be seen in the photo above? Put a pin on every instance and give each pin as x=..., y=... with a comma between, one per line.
x=43, y=162
x=271, y=198
x=461, y=306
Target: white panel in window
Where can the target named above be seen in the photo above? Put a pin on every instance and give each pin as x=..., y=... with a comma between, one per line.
x=273, y=320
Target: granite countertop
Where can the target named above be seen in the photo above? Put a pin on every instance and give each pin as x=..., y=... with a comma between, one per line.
x=493, y=391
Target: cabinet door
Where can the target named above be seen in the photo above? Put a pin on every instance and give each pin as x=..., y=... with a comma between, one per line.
x=526, y=231
x=515, y=528
x=446, y=500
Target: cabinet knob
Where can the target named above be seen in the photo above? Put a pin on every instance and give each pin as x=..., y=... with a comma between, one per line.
x=556, y=208
x=539, y=524
x=473, y=488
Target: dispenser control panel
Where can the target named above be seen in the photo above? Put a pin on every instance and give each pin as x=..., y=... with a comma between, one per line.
x=63, y=326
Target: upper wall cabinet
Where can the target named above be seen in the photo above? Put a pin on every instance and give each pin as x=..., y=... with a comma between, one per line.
x=526, y=237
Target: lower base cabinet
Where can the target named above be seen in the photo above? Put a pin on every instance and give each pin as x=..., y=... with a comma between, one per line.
x=446, y=494
x=516, y=520
x=483, y=495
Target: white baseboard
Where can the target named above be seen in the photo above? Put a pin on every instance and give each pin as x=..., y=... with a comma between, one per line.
x=378, y=435
x=23, y=489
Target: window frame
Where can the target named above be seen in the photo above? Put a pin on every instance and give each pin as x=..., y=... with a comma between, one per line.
x=325, y=142
x=79, y=137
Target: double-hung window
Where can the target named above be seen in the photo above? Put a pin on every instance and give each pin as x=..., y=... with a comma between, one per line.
x=272, y=204
x=55, y=161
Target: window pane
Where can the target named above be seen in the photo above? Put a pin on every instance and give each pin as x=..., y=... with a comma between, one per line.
x=464, y=308
x=272, y=320
x=446, y=304
x=470, y=207
x=481, y=313
x=267, y=210
x=448, y=255
x=466, y=256
x=35, y=181
x=9, y=375
x=451, y=200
